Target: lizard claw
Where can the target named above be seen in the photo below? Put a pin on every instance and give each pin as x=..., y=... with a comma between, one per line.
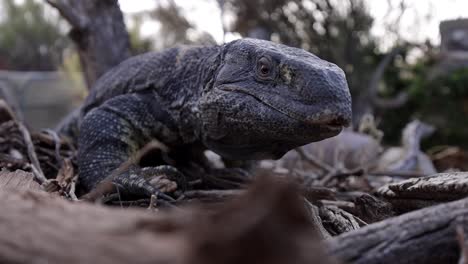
x=151, y=181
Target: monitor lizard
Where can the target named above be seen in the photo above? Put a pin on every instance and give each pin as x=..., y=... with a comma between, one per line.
x=247, y=99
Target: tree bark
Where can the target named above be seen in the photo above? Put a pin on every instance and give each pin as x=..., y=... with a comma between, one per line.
x=424, y=236
x=99, y=32
x=19, y=180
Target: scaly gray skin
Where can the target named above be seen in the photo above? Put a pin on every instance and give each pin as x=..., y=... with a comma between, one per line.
x=248, y=99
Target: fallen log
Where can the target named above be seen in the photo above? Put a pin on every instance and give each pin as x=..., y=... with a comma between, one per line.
x=265, y=225
x=39, y=228
x=424, y=236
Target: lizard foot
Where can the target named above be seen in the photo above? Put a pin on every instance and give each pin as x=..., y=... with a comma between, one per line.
x=149, y=181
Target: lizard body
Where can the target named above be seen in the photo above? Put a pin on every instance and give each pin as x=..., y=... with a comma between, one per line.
x=247, y=99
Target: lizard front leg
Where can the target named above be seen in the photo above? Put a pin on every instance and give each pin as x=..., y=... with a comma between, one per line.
x=113, y=132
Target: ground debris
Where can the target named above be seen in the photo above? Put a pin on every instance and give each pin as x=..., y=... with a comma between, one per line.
x=36, y=152
x=267, y=224
x=337, y=221
x=65, y=183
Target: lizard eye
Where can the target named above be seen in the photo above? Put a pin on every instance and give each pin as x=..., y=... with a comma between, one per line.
x=264, y=68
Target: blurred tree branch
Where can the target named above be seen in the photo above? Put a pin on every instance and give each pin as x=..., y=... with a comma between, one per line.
x=377, y=76
x=176, y=28
x=69, y=14
x=99, y=32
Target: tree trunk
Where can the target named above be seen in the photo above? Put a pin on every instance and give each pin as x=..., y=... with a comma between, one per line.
x=99, y=32
x=424, y=236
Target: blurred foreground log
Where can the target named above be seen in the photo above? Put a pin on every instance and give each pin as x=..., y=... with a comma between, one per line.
x=424, y=236
x=266, y=225
x=99, y=32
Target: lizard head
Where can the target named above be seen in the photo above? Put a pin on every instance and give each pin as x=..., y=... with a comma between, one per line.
x=268, y=98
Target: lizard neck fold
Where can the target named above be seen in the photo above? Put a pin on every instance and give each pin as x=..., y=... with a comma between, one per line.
x=195, y=71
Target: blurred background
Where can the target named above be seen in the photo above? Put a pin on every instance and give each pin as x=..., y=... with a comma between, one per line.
x=403, y=59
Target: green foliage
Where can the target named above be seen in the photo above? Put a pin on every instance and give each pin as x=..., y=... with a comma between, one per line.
x=444, y=103
x=441, y=101
x=30, y=37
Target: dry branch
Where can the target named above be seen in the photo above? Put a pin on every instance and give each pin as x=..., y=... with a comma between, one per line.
x=424, y=236
x=7, y=115
x=442, y=186
x=377, y=76
x=35, y=166
x=416, y=193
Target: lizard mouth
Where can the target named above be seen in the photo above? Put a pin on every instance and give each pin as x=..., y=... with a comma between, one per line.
x=331, y=122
